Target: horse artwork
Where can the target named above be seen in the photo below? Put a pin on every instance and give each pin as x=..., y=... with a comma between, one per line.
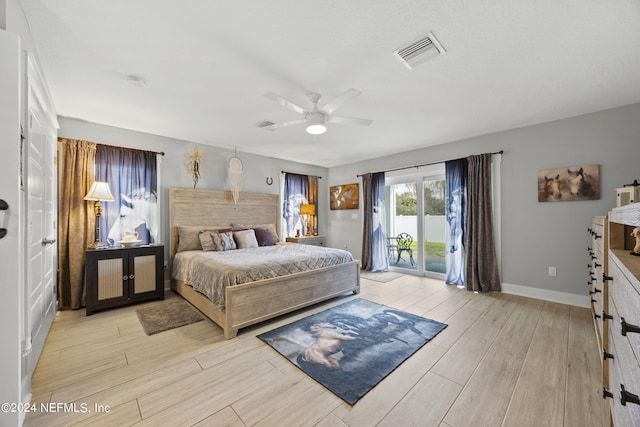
x=138, y=213
x=569, y=183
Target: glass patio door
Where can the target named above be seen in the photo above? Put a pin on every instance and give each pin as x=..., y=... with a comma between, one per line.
x=434, y=235
x=416, y=222
x=402, y=226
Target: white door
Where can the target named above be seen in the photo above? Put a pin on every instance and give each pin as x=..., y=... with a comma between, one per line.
x=41, y=295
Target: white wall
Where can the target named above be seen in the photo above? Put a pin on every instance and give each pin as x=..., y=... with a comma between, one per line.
x=213, y=168
x=534, y=235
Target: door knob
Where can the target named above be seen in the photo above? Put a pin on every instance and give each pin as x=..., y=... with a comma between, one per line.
x=46, y=241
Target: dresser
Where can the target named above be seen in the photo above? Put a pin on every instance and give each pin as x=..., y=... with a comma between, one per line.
x=309, y=240
x=119, y=276
x=598, y=262
x=621, y=318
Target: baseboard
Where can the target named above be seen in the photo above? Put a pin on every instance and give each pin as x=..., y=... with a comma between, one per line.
x=546, y=295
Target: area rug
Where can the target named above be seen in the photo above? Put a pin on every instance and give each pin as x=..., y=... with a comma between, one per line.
x=162, y=316
x=353, y=346
x=380, y=276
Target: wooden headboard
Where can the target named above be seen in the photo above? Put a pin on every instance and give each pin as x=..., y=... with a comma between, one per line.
x=215, y=208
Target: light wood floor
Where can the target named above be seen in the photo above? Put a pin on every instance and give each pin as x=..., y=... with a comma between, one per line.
x=502, y=361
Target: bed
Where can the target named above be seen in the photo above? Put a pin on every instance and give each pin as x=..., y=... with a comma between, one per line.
x=248, y=302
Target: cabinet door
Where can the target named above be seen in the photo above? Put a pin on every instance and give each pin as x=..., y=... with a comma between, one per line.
x=112, y=278
x=143, y=274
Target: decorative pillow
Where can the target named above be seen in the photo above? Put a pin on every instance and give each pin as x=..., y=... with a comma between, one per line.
x=245, y=239
x=271, y=227
x=188, y=238
x=206, y=238
x=264, y=237
x=227, y=242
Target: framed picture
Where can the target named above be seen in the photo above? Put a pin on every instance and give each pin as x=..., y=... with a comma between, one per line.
x=569, y=183
x=344, y=196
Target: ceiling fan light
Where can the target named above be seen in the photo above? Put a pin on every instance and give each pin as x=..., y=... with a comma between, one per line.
x=315, y=124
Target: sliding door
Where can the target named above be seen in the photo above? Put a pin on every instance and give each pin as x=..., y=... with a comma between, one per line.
x=416, y=222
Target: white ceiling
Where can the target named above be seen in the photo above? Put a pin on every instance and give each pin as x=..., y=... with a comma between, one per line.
x=208, y=63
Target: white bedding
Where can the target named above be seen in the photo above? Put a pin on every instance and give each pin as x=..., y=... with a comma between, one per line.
x=210, y=272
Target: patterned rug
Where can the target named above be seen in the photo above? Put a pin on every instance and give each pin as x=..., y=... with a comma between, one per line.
x=165, y=315
x=353, y=346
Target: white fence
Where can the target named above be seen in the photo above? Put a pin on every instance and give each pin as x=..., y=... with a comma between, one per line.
x=434, y=226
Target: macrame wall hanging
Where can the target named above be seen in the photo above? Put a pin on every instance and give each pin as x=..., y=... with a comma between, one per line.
x=194, y=166
x=235, y=176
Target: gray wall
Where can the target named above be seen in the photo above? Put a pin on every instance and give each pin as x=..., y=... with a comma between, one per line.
x=174, y=172
x=534, y=235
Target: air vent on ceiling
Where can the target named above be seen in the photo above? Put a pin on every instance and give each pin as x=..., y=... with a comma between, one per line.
x=419, y=51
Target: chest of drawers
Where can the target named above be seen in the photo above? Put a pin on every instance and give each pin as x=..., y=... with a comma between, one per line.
x=622, y=318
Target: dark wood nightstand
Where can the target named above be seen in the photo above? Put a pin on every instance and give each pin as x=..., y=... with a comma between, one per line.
x=121, y=276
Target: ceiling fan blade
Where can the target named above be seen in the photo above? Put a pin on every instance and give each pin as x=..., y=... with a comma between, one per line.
x=285, y=102
x=276, y=126
x=336, y=103
x=348, y=120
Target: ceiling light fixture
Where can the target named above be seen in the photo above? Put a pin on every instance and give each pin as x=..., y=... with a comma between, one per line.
x=315, y=124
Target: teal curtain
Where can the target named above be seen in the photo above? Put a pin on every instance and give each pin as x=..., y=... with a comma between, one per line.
x=455, y=211
x=374, y=240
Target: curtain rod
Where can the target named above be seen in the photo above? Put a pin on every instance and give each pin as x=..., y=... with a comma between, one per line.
x=131, y=149
x=424, y=164
x=295, y=173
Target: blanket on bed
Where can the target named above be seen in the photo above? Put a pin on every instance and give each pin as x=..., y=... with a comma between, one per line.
x=210, y=272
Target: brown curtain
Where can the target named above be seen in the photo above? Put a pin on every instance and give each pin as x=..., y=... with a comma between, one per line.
x=481, y=263
x=313, y=200
x=76, y=218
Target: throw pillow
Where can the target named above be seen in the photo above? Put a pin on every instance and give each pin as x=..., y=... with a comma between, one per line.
x=227, y=242
x=206, y=240
x=264, y=237
x=245, y=239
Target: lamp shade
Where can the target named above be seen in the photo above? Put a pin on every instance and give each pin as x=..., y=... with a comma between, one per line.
x=99, y=191
x=307, y=209
x=315, y=124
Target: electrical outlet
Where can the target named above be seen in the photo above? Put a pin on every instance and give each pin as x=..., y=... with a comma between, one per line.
x=552, y=272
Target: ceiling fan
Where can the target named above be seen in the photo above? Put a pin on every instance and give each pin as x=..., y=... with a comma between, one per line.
x=317, y=118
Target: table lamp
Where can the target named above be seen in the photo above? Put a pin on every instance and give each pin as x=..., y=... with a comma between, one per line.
x=308, y=211
x=99, y=192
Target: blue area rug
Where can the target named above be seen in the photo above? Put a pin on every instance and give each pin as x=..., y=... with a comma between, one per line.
x=353, y=346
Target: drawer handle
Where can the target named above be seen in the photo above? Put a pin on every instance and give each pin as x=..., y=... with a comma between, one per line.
x=596, y=316
x=593, y=301
x=606, y=355
x=606, y=393
x=595, y=236
x=589, y=230
x=626, y=396
x=131, y=276
x=606, y=278
x=606, y=316
x=596, y=265
x=596, y=290
x=594, y=257
x=628, y=328
x=125, y=277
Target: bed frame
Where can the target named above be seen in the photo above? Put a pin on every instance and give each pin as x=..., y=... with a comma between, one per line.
x=253, y=302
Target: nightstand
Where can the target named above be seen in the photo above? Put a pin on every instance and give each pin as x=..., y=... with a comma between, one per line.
x=310, y=240
x=122, y=276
